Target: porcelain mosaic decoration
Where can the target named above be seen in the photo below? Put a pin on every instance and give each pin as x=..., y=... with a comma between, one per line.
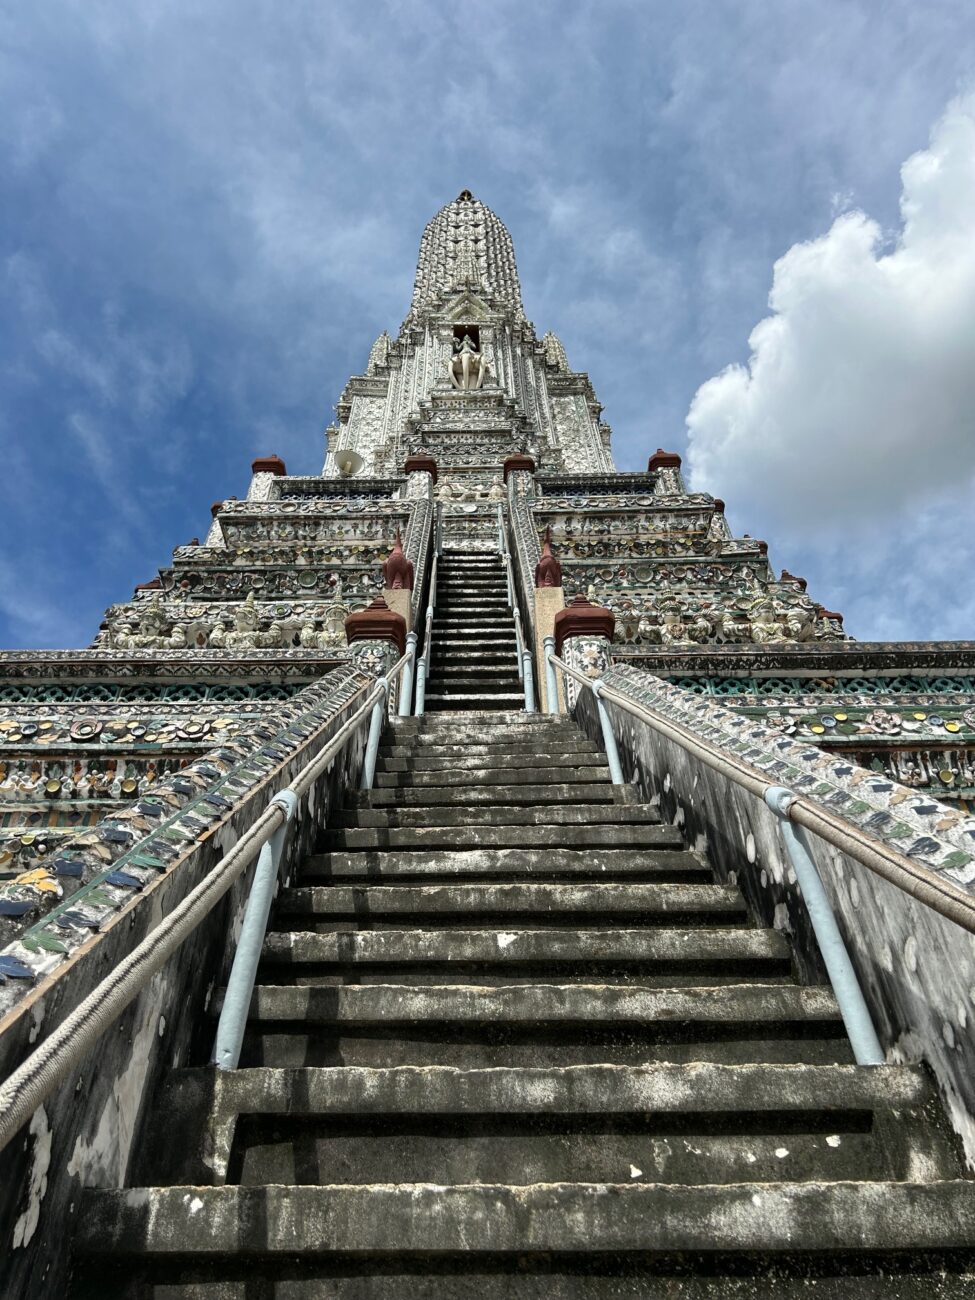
x=467, y=414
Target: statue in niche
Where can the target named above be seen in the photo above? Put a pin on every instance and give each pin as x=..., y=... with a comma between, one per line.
x=496, y=491
x=766, y=627
x=466, y=367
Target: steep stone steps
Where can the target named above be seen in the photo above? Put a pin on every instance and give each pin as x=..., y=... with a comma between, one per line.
x=472, y=614
x=511, y=1037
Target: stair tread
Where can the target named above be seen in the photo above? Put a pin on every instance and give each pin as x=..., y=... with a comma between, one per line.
x=486, y=815
x=538, y=836
x=417, y=945
x=605, y=1089
x=570, y=863
x=523, y=897
x=532, y=1004
x=577, y=1218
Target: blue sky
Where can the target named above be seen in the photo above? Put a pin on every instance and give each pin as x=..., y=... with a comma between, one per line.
x=209, y=212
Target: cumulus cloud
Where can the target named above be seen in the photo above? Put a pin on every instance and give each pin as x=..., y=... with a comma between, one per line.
x=855, y=413
x=859, y=395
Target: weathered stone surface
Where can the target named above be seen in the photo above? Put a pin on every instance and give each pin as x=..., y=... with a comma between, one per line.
x=544, y=904
x=577, y=1218
x=538, y=1004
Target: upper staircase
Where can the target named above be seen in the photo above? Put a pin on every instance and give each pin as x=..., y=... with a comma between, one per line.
x=475, y=660
x=512, y=1039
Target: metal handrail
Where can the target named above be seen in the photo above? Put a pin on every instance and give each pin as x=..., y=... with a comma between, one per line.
x=842, y=975
x=522, y=653
x=47, y=1066
x=943, y=896
x=424, y=661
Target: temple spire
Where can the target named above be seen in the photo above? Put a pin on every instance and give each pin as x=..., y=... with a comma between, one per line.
x=465, y=246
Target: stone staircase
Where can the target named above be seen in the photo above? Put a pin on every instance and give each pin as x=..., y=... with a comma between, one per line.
x=474, y=663
x=511, y=1039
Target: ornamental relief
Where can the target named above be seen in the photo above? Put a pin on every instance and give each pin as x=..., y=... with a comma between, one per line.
x=335, y=531
x=362, y=583
x=247, y=625
x=651, y=618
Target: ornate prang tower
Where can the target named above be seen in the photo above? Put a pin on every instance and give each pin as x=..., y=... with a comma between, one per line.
x=465, y=410
x=469, y=501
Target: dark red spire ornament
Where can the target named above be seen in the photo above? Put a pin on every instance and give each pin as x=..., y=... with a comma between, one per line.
x=548, y=571
x=398, y=571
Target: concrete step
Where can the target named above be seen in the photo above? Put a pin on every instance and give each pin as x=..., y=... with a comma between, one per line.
x=436, y=702
x=514, y=718
x=428, y=758
x=463, y=630
x=676, y=1144
x=540, y=838
x=764, y=1092
x=483, y=863
x=536, y=1278
x=465, y=642
x=568, y=815
x=465, y=778
x=458, y=660
x=468, y=1008
x=473, y=667
x=586, y=1220
x=545, y=793
x=489, y=685
x=670, y=952
x=530, y=904
x=450, y=736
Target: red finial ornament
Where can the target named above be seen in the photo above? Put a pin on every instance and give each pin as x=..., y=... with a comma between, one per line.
x=663, y=460
x=398, y=571
x=268, y=465
x=548, y=571
x=377, y=623
x=582, y=619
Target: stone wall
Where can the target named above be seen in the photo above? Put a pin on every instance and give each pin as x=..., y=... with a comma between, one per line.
x=916, y=968
x=89, y=1131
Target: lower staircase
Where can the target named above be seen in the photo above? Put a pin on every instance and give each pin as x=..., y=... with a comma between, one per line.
x=512, y=1039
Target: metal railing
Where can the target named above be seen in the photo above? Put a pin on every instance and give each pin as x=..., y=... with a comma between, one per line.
x=423, y=664
x=787, y=807
x=49, y=1064
x=522, y=653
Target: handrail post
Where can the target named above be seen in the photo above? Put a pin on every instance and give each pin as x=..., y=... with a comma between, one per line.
x=240, y=985
x=853, y=1006
x=406, y=681
x=372, y=744
x=519, y=645
x=609, y=739
x=551, y=681
x=421, y=686
x=529, y=681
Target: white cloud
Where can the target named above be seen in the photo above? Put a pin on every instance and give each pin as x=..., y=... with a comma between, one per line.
x=855, y=414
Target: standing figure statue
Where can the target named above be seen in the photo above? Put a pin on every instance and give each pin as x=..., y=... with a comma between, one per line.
x=466, y=365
